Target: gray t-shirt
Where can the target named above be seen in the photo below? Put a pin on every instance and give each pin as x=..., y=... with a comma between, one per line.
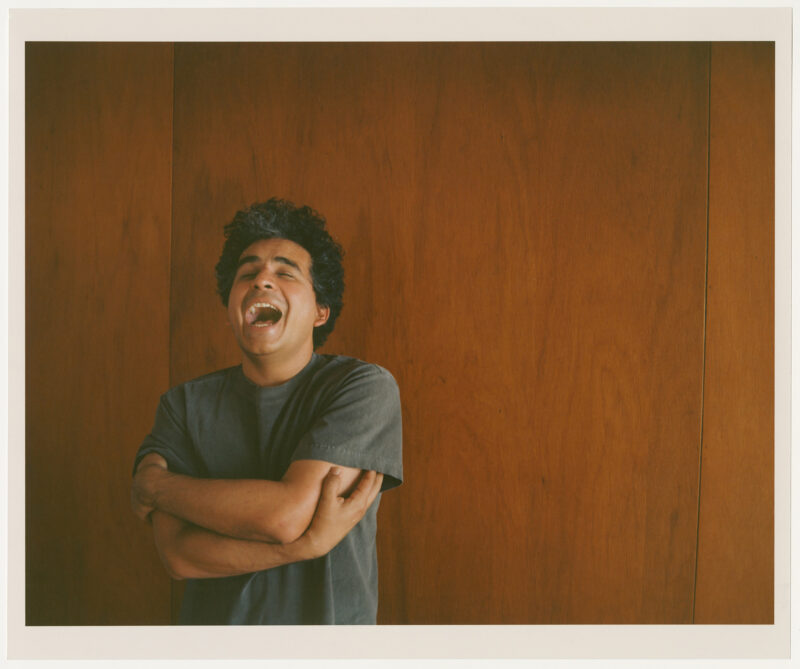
x=337, y=409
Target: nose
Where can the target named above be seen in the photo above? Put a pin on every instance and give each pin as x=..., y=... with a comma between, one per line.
x=264, y=280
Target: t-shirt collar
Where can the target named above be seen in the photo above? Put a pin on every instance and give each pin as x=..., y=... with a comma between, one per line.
x=260, y=394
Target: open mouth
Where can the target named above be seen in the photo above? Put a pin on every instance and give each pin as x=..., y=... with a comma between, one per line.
x=262, y=314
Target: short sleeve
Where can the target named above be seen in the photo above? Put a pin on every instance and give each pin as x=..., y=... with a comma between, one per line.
x=361, y=426
x=169, y=438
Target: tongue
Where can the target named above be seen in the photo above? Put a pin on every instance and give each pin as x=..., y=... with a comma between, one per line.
x=263, y=315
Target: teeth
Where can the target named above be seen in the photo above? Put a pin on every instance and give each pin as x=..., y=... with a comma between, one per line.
x=262, y=305
x=270, y=318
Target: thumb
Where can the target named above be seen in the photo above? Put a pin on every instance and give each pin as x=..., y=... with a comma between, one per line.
x=331, y=484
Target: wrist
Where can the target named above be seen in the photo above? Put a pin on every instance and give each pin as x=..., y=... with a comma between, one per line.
x=153, y=483
x=304, y=548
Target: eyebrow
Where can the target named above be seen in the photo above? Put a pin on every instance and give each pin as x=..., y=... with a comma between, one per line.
x=281, y=259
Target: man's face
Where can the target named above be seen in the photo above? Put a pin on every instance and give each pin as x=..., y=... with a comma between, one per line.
x=272, y=307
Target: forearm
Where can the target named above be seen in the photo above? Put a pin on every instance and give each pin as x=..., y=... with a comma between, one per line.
x=240, y=508
x=188, y=551
x=193, y=552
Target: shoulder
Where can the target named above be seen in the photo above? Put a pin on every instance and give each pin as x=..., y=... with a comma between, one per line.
x=343, y=365
x=343, y=372
x=198, y=390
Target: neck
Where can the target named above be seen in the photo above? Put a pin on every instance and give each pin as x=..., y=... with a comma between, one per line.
x=266, y=371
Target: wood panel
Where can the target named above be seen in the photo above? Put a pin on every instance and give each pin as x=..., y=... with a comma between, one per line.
x=735, y=546
x=524, y=227
x=98, y=145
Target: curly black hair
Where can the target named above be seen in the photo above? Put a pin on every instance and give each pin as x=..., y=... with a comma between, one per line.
x=302, y=225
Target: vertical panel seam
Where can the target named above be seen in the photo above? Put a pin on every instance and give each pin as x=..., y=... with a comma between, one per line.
x=171, y=210
x=171, y=281
x=705, y=340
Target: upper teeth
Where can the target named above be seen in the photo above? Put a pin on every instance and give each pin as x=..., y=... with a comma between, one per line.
x=262, y=305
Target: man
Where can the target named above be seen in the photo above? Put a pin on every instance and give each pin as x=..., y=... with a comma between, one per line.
x=236, y=475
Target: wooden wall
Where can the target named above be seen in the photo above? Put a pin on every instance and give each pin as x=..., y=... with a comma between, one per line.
x=526, y=230
x=735, y=585
x=98, y=147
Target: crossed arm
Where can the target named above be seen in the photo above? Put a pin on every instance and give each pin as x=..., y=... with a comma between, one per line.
x=207, y=528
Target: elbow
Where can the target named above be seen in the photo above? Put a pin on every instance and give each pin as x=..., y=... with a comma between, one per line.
x=285, y=527
x=169, y=551
x=285, y=522
x=170, y=537
x=178, y=570
x=282, y=531
x=287, y=533
x=174, y=565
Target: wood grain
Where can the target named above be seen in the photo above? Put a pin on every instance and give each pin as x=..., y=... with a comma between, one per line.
x=735, y=550
x=98, y=144
x=524, y=227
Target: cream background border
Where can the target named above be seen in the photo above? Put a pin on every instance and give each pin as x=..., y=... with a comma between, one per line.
x=399, y=24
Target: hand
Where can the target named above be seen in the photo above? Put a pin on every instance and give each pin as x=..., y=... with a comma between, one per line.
x=336, y=516
x=151, y=468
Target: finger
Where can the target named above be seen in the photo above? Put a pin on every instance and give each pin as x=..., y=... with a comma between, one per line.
x=152, y=460
x=331, y=484
x=362, y=493
x=135, y=506
x=376, y=488
x=364, y=484
x=142, y=511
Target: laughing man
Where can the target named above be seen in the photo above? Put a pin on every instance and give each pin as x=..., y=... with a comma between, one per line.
x=262, y=480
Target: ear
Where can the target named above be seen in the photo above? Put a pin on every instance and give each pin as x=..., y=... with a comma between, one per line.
x=322, y=315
